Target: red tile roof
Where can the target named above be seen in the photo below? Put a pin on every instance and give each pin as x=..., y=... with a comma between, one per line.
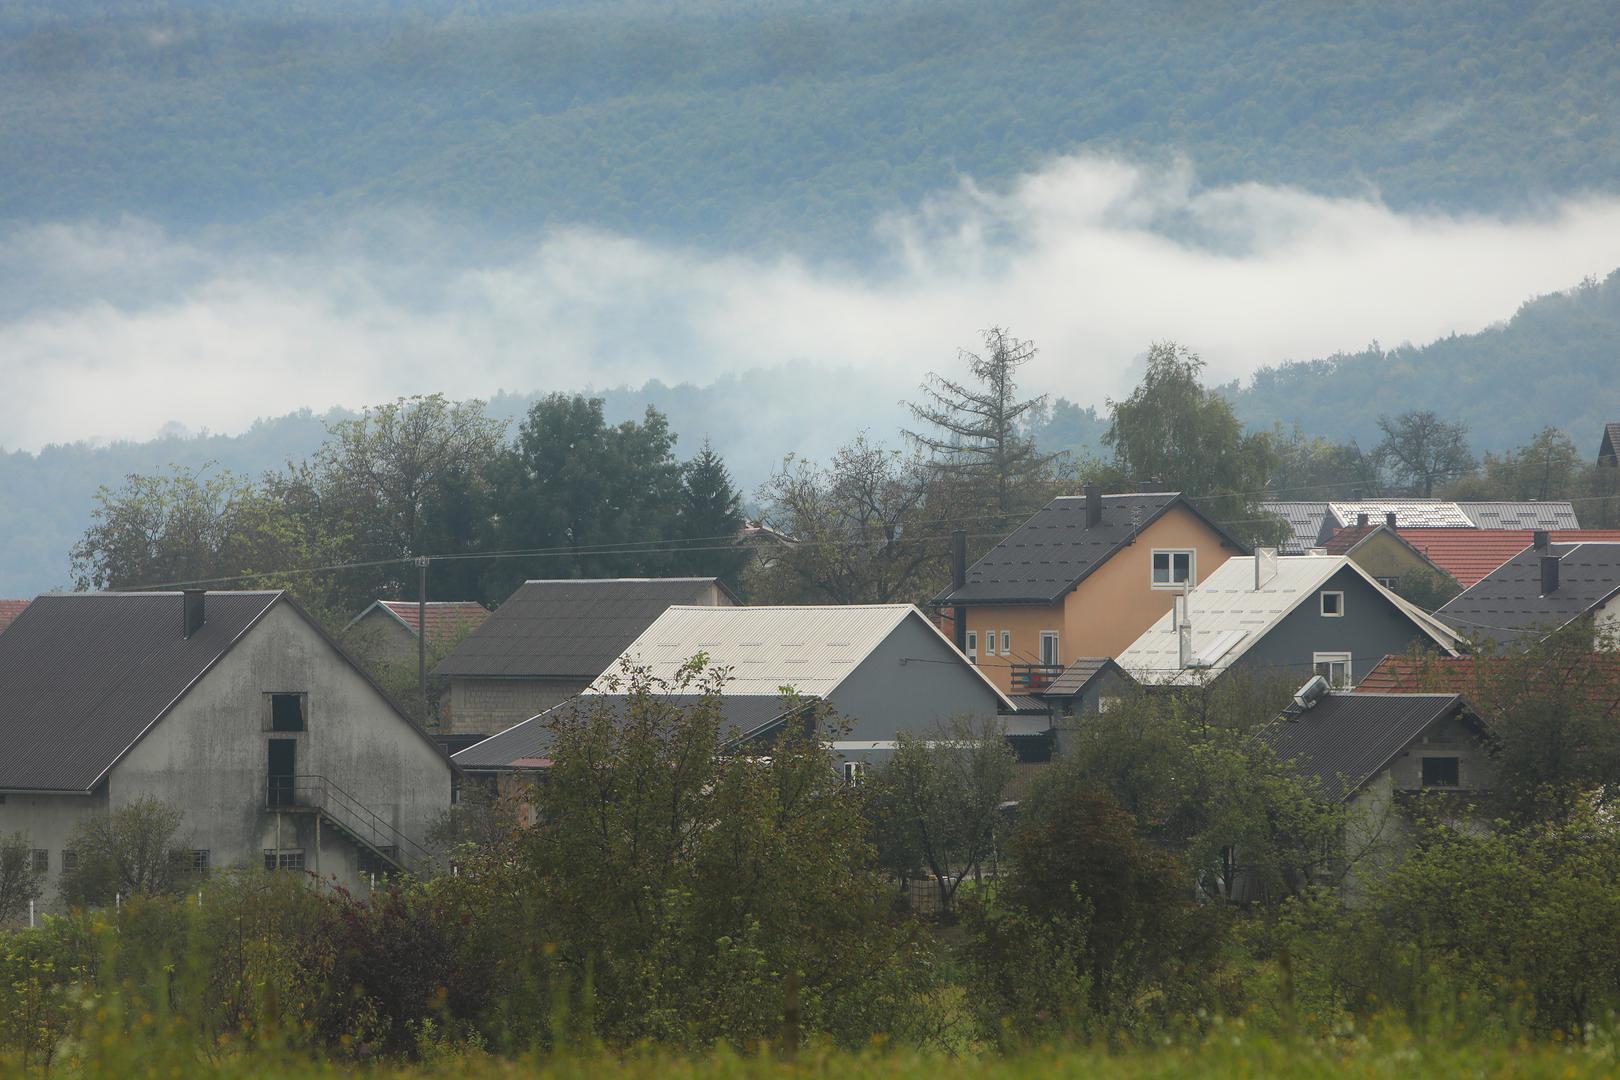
x=445, y=618
x=10, y=609
x=1471, y=554
x=1598, y=674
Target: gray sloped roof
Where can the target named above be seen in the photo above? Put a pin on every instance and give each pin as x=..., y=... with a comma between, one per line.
x=83, y=675
x=1307, y=522
x=1345, y=739
x=530, y=742
x=1521, y=515
x=1609, y=447
x=1507, y=604
x=569, y=628
x=1079, y=675
x=1054, y=551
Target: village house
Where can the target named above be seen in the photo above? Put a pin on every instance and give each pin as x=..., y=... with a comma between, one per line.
x=550, y=639
x=1545, y=587
x=1083, y=577
x=233, y=707
x=1384, y=552
x=882, y=668
x=1468, y=555
x=387, y=631
x=1288, y=616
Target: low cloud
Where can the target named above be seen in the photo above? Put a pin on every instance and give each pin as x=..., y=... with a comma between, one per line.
x=113, y=330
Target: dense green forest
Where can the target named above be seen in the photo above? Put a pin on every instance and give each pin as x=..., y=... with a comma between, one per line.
x=755, y=123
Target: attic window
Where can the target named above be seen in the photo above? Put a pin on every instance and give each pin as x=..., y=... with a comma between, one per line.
x=1441, y=772
x=1172, y=569
x=287, y=712
x=1332, y=605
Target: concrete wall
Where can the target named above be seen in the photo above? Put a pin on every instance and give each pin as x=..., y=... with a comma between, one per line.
x=1370, y=629
x=209, y=755
x=47, y=821
x=1111, y=608
x=911, y=682
x=489, y=706
x=381, y=638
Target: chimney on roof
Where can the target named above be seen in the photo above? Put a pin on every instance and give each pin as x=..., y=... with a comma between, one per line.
x=193, y=611
x=1389, y=518
x=1093, y=504
x=1184, y=649
x=1361, y=521
x=1265, y=566
x=1540, y=539
x=1549, y=574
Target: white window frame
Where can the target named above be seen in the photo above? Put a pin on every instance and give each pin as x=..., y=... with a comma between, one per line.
x=854, y=772
x=1321, y=600
x=989, y=643
x=1006, y=643
x=1057, y=654
x=1192, y=567
x=1320, y=658
x=973, y=645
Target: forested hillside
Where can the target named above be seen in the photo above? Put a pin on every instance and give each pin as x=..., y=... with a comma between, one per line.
x=732, y=122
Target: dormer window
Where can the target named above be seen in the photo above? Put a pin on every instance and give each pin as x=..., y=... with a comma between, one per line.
x=1332, y=605
x=1173, y=568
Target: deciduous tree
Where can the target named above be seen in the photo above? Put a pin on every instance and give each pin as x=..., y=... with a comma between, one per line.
x=1422, y=451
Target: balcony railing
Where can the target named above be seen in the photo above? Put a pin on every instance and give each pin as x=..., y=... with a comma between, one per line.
x=349, y=814
x=1031, y=678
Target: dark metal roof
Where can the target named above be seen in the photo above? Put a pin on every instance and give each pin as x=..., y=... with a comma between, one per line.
x=1609, y=448
x=1054, y=551
x=569, y=629
x=1345, y=739
x=1080, y=674
x=1028, y=705
x=1507, y=604
x=83, y=675
x=528, y=744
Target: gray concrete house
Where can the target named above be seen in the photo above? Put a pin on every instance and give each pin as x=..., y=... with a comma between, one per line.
x=232, y=706
x=386, y=632
x=884, y=668
x=549, y=639
x=1543, y=588
x=1282, y=616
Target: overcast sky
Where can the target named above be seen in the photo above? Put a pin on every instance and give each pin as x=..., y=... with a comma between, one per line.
x=114, y=329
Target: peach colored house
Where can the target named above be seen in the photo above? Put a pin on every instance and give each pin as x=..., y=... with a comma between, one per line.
x=1083, y=577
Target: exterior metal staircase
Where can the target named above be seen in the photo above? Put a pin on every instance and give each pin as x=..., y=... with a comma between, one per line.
x=351, y=818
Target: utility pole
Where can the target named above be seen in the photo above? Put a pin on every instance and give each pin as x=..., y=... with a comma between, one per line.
x=421, y=631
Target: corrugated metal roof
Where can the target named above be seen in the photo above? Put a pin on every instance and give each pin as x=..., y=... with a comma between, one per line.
x=1522, y=515
x=1306, y=523
x=83, y=675
x=569, y=628
x=529, y=744
x=1054, y=550
x=1508, y=604
x=1409, y=513
x=1345, y=739
x=812, y=648
x=1228, y=615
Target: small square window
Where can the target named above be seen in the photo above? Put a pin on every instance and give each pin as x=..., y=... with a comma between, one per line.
x=854, y=771
x=1172, y=569
x=1388, y=582
x=41, y=861
x=199, y=860
x=973, y=644
x=1441, y=772
x=1006, y=643
x=70, y=861
x=1333, y=605
x=287, y=712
